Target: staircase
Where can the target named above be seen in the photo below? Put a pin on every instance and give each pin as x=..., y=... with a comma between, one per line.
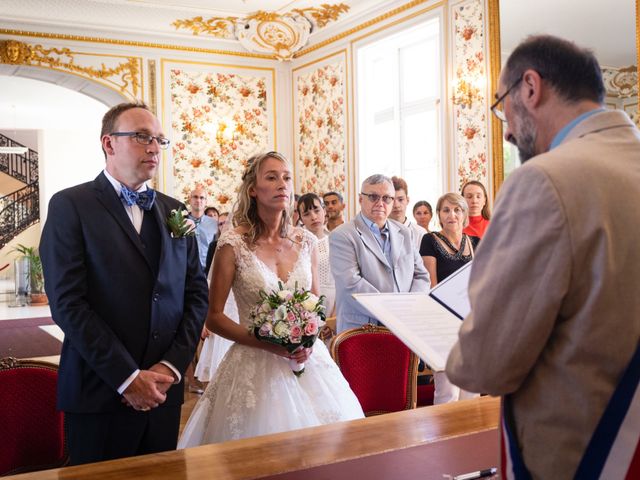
x=20, y=209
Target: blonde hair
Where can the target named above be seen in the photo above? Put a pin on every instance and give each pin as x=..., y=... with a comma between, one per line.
x=245, y=211
x=455, y=199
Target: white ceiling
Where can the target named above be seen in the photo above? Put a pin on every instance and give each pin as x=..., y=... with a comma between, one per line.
x=607, y=27
x=154, y=17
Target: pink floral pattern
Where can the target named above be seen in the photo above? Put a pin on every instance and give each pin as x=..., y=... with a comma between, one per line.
x=199, y=100
x=471, y=123
x=320, y=124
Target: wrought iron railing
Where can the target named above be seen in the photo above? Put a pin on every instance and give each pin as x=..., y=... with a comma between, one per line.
x=18, y=211
x=21, y=166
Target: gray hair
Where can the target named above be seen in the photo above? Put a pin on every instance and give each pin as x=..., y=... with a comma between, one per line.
x=376, y=179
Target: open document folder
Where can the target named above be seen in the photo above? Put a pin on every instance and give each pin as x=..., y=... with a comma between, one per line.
x=427, y=323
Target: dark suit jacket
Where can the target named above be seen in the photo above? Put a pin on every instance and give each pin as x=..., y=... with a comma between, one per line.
x=116, y=315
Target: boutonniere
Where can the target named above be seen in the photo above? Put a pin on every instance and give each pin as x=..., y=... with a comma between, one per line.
x=179, y=225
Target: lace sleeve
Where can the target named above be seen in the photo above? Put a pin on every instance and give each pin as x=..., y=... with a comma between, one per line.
x=240, y=250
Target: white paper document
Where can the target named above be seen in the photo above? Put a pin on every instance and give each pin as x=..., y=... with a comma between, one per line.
x=452, y=292
x=427, y=323
x=423, y=325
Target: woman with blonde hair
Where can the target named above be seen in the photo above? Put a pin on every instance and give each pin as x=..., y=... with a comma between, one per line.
x=446, y=251
x=254, y=392
x=479, y=211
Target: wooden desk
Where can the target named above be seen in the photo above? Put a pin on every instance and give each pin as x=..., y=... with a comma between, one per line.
x=474, y=421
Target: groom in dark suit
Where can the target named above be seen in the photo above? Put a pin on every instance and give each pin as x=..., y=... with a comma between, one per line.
x=130, y=298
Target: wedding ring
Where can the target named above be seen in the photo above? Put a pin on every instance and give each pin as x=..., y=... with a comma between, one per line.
x=145, y=409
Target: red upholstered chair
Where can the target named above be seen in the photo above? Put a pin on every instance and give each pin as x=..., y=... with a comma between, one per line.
x=380, y=369
x=32, y=429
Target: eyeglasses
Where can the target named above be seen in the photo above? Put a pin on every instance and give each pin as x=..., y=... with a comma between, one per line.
x=374, y=198
x=144, y=138
x=498, y=108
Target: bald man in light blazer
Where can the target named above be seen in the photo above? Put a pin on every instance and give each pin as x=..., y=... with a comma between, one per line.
x=372, y=254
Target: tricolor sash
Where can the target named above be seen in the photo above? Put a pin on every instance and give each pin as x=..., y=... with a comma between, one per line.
x=613, y=453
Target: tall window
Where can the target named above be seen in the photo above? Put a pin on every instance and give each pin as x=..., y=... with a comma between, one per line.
x=399, y=127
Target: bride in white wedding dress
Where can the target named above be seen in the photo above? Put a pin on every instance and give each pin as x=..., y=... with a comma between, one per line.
x=254, y=392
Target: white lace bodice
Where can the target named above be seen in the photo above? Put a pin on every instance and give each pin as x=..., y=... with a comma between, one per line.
x=252, y=275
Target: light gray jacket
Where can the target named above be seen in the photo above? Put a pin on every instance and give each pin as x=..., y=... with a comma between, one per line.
x=358, y=265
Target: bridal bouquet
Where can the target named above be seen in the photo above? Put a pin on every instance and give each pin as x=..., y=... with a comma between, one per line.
x=288, y=318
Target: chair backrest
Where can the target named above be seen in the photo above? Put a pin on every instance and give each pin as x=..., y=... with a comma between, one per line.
x=32, y=429
x=380, y=369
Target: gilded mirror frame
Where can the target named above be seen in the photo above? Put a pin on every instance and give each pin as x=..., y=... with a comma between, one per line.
x=495, y=63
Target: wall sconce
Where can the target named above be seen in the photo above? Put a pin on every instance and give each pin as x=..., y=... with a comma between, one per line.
x=465, y=93
x=226, y=132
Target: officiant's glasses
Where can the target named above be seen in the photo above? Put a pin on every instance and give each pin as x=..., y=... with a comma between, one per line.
x=374, y=198
x=144, y=138
x=498, y=107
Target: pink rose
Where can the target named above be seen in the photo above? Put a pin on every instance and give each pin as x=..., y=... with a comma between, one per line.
x=291, y=317
x=311, y=328
x=265, y=330
x=295, y=334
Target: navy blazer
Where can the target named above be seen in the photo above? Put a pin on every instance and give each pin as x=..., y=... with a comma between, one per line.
x=117, y=316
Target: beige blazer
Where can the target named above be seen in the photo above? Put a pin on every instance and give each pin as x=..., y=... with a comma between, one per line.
x=554, y=291
x=359, y=266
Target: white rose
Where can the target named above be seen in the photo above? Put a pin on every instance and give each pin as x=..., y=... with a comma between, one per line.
x=310, y=304
x=265, y=307
x=281, y=329
x=285, y=294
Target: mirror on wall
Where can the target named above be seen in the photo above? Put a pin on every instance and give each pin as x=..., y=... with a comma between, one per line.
x=610, y=32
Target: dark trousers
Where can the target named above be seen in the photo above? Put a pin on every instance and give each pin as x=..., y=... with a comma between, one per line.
x=94, y=437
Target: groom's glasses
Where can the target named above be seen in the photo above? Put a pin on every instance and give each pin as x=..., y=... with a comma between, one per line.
x=144, y=138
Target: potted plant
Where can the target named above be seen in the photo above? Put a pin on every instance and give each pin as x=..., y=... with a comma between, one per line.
x=36, y=275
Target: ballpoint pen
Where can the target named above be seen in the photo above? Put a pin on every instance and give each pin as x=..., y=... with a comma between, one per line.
x=477, y=474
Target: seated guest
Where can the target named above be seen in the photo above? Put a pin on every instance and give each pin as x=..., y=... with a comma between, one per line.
x=423, y=213
x=399, y=210
x=212, y=212
x=446, y=251
x=334, y=205
x=372, y=254
x=311, y=212
x=479, y=212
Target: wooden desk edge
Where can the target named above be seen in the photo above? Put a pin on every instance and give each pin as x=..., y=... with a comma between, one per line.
x=300, y=449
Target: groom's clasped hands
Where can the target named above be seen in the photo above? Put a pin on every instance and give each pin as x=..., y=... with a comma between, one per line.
x=148, y=390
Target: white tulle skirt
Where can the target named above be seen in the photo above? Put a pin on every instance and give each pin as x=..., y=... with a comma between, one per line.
x=215, y=347
x=254, y=392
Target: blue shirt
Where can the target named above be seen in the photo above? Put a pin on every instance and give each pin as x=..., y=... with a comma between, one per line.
x=561, y=135
x=206, y=231
x=383, y=241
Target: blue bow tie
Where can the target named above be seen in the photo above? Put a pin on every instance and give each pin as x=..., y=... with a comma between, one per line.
x=143, y=199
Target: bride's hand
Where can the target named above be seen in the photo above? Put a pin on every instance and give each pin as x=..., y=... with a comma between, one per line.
x=301, y=355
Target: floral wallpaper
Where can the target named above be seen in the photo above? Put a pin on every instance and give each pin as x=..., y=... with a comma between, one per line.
x=470, y=112
x=320, y=123
x=199, y=100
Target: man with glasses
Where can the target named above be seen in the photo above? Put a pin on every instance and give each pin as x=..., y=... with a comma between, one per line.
x=555, y=314
x=372, y=254
x=130, y=298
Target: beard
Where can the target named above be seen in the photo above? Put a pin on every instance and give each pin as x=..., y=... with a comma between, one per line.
x=525, y=136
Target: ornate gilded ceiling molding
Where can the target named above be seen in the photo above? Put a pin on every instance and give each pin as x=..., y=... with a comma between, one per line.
x=125, y=76
x=267, y=32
